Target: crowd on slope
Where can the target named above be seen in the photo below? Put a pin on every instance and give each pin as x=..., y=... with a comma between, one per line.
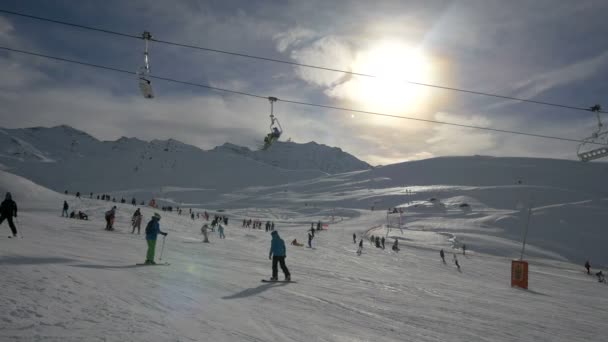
x=8, y=211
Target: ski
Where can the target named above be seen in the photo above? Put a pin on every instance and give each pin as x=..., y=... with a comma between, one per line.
x=277, y=281
x=159, y=264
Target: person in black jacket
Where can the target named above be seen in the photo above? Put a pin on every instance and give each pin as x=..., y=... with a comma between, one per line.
x=8, y=210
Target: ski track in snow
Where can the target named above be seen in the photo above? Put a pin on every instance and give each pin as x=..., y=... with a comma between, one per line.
x=69, y=280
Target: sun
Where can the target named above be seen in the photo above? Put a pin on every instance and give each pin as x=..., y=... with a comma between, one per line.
x=393, y=64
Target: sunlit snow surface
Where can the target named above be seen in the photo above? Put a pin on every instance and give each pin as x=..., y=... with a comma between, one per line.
x=70, y=280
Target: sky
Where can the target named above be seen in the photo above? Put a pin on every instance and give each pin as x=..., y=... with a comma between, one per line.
x=544, y=50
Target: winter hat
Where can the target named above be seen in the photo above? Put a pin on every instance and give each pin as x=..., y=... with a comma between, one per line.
x=274, y=233
x=8, y=195
x=156, y=216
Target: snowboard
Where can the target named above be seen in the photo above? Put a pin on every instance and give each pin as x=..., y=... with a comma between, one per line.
x=158, y=264
x=277, y=281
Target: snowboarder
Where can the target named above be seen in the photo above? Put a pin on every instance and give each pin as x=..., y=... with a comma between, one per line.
x=382, y=241
x=64, y=213
x=360, y=249
x=220, y=230
x=277, y=254
x=136, y=221
x=600, y=277
x=110, y=214
x=442, y=255
x=152, y=231
x=456, y=261
x=204, y=232
x=396, y=246
x=464, y=249
x=310, y=237
x=588, y=267
x=354, y=238
x=8, y=210
x=296, y=243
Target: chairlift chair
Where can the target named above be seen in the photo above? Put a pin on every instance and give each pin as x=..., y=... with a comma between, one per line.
x=275, y=127
x=588, y=149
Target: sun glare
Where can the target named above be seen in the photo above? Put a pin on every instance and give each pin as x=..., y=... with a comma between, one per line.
x=393, y=64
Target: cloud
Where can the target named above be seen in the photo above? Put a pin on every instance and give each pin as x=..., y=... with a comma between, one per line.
x=329, y=51
x=293, y=38
x=574, y=72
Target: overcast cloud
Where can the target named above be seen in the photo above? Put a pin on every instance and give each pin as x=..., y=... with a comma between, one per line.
x=543, y=50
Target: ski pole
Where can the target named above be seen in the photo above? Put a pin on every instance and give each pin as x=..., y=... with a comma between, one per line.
x=162, y=249
x=20, y=228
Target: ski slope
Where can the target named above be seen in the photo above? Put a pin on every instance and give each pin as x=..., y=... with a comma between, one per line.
x=69, y=280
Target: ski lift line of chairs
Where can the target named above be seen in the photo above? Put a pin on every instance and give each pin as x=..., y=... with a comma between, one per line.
x=145, y=85
x=599, y=137
x=275, y=126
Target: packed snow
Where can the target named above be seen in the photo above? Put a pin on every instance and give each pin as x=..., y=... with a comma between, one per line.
x=70, y=280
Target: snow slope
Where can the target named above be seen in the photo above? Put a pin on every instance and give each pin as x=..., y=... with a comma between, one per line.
x=70, y=280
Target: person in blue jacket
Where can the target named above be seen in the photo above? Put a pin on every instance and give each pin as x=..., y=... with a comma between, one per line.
x=278, y=254
x=152, y=231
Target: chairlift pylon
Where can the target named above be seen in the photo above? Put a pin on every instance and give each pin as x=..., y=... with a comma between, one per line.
x=145, y=85
x=588, y=149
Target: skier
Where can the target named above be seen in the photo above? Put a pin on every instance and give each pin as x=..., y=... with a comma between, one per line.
x=360, y=250
x=382, y=241
x=310, y=237
x=464, y=249
x=136, y=221
x=220, y=230
x=64, y=213
x=442, y=255
x=588, y=267
x=272, y=226
x=354, y=238
x=8, y=210
x=377, y=242
x=277, y=254
x=456, y=261
x=110, y=214
x=396, y=246
x=152, y=231
x=372, y=240
x=204, y=232
x=600, y=277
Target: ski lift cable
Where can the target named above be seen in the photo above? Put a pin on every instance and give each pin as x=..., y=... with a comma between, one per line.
x=275, y=60
x=168, y=79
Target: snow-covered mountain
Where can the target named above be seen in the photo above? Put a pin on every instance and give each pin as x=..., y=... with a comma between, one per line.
x=293, y=156
x=62, y=157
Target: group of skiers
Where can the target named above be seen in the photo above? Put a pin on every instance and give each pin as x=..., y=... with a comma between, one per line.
x=253, y=224
x=73, y=215
x=599, y=275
